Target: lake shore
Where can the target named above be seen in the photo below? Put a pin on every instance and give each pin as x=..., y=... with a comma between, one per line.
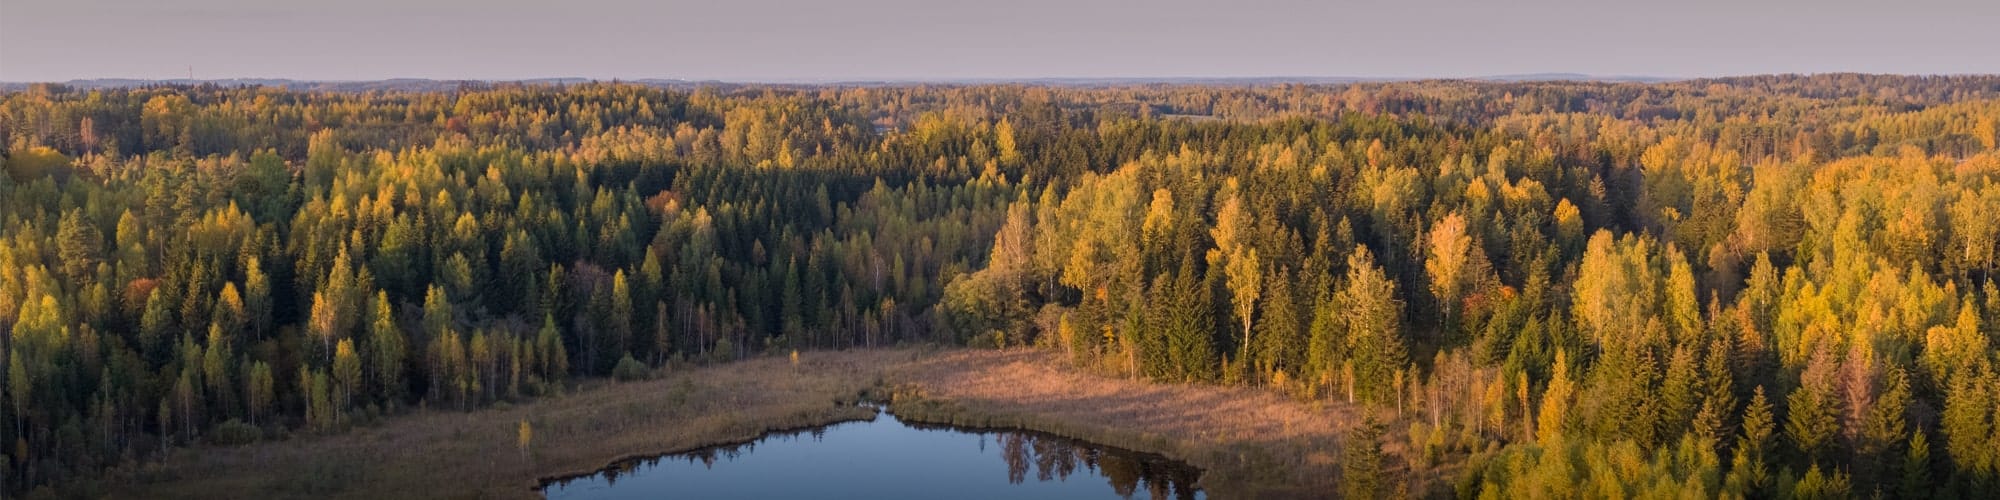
x=1251, y=443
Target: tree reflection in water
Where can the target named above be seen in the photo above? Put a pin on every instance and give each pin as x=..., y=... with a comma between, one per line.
x=1056, y=458
x=1052, y=459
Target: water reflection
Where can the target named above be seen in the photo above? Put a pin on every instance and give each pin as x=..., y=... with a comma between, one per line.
x=888, y=458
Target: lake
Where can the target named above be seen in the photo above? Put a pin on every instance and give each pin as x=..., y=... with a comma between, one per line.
x=888, y=458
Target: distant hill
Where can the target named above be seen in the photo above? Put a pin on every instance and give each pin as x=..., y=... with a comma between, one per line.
x=430, y=85
x=1573, y=77
x=395, y=84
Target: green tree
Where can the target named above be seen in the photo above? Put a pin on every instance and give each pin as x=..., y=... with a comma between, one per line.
x=1372, y=320
x=1916, y=482
x=265, y=188
x=1812, y=413
x=156, y=325
x=217, y=356
x=259, y=389
x=1281, y=337
x=1817, y=485
x=80, y=247
x=1967, y=424
x=1363, y=473
x=387, y=348
x=1182, y=315
x=550, y=346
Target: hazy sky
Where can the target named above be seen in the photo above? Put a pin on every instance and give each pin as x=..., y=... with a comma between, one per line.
x=44, y=40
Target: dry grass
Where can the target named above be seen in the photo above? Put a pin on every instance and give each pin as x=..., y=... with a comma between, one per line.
x=448, y=454
x=1253, y=444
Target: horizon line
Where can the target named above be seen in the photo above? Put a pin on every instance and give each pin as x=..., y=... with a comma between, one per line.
x=1275, y=79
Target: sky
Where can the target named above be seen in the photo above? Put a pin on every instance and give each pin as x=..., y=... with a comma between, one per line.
x=831, y=40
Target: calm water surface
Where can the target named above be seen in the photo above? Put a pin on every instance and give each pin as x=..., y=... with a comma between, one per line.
x=890, y=459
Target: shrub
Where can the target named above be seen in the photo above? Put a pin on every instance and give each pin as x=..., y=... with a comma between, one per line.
x=725, y=350
x=235, y=432
x=629, y=369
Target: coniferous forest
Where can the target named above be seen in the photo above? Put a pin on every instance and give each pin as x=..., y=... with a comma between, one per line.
x=1761, y=287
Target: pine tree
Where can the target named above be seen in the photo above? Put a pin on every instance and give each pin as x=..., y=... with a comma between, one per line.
x=156, y=325
x=549, y=346
x=1372, y=318
x=1916, y=467
x=1185, y=319
x=80, y=247
x=1554, y=414
x=1748, y=470
x=1967, y=424
x=1326, y=343
x=1882, y=431
x=1811, y=422
x=1363, y=473
x=1817, y=485
x=1281, y=342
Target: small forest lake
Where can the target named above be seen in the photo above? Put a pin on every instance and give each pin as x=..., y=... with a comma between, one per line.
x=888, y=458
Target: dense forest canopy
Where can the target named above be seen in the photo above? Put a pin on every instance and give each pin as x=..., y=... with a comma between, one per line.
x=1767, y=286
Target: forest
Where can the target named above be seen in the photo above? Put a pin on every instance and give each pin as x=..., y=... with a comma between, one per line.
x=1756, y=287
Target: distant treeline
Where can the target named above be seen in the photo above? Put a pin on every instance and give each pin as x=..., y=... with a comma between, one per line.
x=1765, y=286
